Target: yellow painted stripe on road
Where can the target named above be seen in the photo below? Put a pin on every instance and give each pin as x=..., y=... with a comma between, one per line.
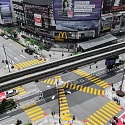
x=32, y=108
x=77, y=88
x=27, y=64
x=105, y=86
x=62, y=105
x=33, y=111
x=103, y=92
x=36, y=114
x=108, y=110
x=116, y=108
x=29, y=106
x=48, y=81
x=88, y=88
x=91, y=91
x=36, y=118
x=102, y=119
x=98, y=92
x=33, y=63
x=64, y=108
x=95, y=90
x=51, y=82
x=74, y=86
x=92, y=121
x=30, y=63
x=84, y=89
x=23, y=63
x=65, y=111
x=71, y=85
x=87, y=123
x=115, y=104
x=106, y=113
x=81, y=88
x=104, y=116
x=95, y=119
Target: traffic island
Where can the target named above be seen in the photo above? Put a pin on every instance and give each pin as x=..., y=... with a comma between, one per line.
x=119, y=93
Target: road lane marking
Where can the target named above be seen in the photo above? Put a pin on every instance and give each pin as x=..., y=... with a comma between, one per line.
x=4, y=118
x=16, y=58
x=22, y=56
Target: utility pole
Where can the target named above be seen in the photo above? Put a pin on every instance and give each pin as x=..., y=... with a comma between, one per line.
x=6, y=56
x=122, y=80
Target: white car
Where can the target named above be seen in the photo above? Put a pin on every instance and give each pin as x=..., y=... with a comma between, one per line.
x=39, y=57
x=11, y=92
x=5, y=37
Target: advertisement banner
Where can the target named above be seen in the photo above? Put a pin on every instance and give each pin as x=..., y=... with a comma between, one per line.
x=37, y=20
x=77, y=10
x=77, y=25
x=5, y=9
x=113, y=5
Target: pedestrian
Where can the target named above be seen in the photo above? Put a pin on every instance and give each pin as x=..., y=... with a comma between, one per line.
x=22, y=50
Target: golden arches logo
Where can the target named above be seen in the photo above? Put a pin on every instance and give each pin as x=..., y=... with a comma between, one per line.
x=63, y=35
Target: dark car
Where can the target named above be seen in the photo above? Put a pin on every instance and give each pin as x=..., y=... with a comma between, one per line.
x=29, y=51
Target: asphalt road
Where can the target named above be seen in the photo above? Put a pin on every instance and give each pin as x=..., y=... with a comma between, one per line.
x=13, y=51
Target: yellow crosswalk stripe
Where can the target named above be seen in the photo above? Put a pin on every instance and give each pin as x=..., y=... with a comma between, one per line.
x=106, y=113
x=81, y=88
x=71, y=86
x=92, y=78
x=27, y=64
x=51, y=82
x=104, y=116
x=102, y=119
x=67, y=86
x=108, y=110
x=115, y=104
x=98, y=92
x=74, y=86
x=36, y=118
x=92, y=121
x=21, y=90
x=36, y=114
x=77, y=88
x=84, y=89
x=95, y=90
x=95, y=119
x=48, y=81
x=45, y=81
x=116, y=108
x=91, y=91
x=87, y=123
x=88, y=88
x=103, y=92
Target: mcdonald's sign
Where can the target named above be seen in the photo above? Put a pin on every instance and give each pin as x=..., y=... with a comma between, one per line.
x=62, y=36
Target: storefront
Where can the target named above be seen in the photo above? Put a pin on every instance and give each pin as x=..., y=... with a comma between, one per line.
x=106, y=22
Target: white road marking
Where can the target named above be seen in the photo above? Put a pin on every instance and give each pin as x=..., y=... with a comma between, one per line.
x=4, y=118
x=7, y=122
x=22, y=56
x=98, y=70
x=119, y=70
x=16, y=58
x=53, y=97
x=69, y=92
x=48, y=86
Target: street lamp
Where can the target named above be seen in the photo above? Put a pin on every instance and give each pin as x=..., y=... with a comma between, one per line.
x=6, y=56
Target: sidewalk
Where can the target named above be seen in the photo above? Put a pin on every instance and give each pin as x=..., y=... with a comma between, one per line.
x=50, y=120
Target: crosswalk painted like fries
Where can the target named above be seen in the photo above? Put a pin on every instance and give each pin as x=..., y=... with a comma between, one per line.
x=34, y=112
x=50, y=81
x=64, y=109
x=21, y=90
x=28, y=63
x=84, y=89
x=104, y=114
x=92, y=78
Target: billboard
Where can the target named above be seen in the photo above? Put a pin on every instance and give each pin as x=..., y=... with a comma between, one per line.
x=37, y=19
x=5, y=9
x=77, y=10
x=77, y=25
x=113, y=5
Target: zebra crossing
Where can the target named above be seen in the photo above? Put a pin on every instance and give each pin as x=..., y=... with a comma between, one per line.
x=63, y=105
x=84, y=89
x=28, y=63
x=33, y=111
x=92, y=78
x=104, y=114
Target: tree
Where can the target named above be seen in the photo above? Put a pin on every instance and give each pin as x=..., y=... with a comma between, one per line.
x=32, y=41
x=41, y=46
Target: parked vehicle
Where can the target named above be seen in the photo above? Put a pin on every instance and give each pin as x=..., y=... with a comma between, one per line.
x=5, y=37
x=11, y=92
x=29, y=51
